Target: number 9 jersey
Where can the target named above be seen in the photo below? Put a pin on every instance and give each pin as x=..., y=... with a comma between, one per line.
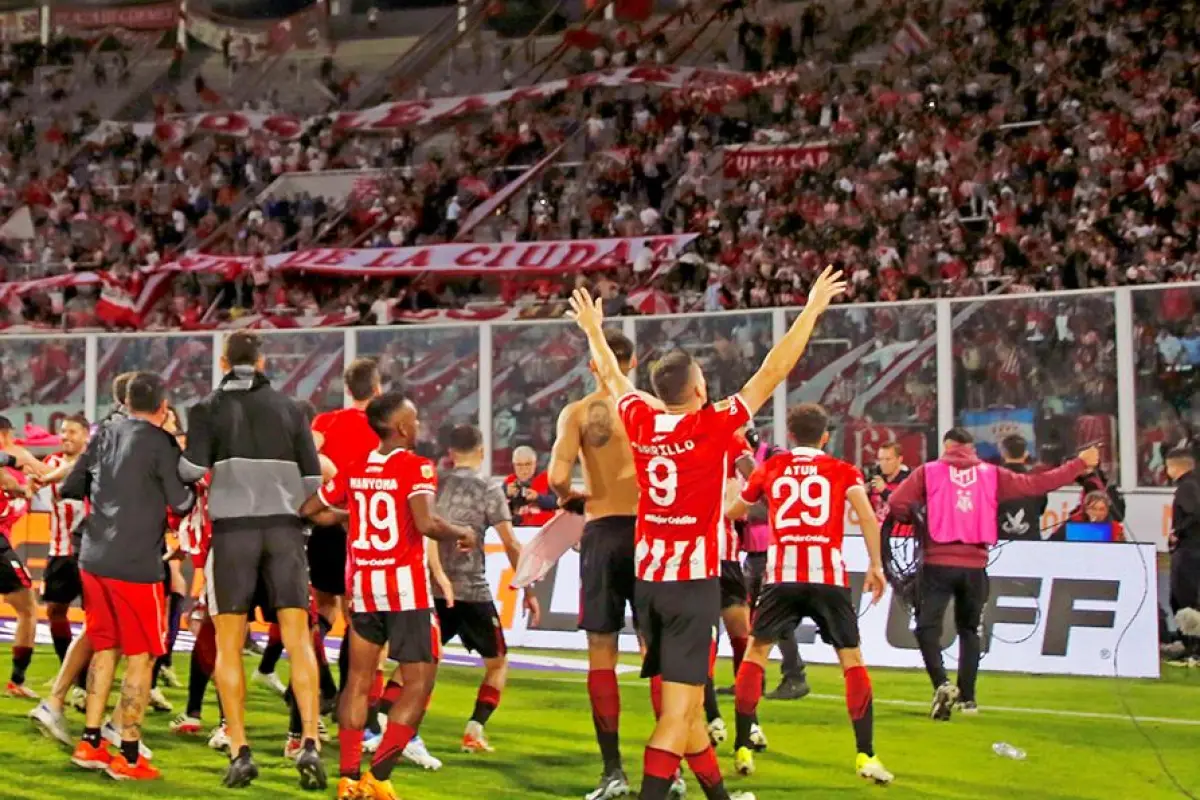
x=681, y=468
x=385, y=567
x=806, y=502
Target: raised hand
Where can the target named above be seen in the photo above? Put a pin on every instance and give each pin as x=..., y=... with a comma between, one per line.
x=585, y=312
x=827, y=288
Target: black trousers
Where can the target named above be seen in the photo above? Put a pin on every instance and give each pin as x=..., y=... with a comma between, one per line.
x=968, y=588
x=1185, y=588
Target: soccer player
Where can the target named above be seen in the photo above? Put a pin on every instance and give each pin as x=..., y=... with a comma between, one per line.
x=16, y=586
x=735, y=595
x=679, y=455
x=806, y=493
x=390, y=496
x=130, y=478
x=467, y=498
x=345, y=438
x=61, y=577
x=590, y=431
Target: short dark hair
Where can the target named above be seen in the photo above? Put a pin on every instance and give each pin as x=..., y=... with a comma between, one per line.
x=120, y=387
x=621, y=346
x=807, y=423
x=671, y=376
x=5, y=424
x=958, y=436
x=464, y=439
x=1014, y=446
x=80, y=420
x=146, y=393
x=361, y=378
x=380, y=412
x=243, y=348
x=1175, y=454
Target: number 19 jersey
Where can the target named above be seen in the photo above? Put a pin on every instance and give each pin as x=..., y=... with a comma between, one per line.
x=385, y=565
x=806, y=501
x=681, y=467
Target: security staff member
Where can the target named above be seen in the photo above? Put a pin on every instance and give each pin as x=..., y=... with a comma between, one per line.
x=1185, y=541
x=264, y=464
x=1020, y=518
x=961, y=495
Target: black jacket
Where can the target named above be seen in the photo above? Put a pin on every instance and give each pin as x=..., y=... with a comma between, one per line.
x=129, y=473
x=1022, y=518
x=1185, y=512
x=257, y=443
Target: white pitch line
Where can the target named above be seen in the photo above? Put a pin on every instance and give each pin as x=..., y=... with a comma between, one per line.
x=1049, y=712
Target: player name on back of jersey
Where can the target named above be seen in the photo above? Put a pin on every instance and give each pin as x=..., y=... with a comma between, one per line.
x=672, y=449
x=369, y=484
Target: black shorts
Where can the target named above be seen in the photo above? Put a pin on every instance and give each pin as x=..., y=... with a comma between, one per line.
x=327, y=559
x=733, y=585
x=13, y=575
x=1185, y=578
x=477, y=625
x=678, y=624
x=782, y=606
x=240, y=560
x=60, y=580
x=412, y=637
x=606, y=574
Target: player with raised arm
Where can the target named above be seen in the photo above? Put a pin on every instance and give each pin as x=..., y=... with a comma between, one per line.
x=678, y=454
x=390, y=496
x=806, y=493
x=590, y=432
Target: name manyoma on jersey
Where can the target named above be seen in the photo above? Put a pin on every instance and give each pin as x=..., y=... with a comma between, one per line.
x=676, y=449
x=374, y=484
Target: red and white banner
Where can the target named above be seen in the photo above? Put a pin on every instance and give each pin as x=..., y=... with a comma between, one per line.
x=407, y=114
x=496, y=258
x=791, y=158
x=910, y=39
x=20, y=26
x=156, y=17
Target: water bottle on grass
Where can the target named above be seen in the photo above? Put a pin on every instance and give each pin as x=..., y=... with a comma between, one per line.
x=1006, y=750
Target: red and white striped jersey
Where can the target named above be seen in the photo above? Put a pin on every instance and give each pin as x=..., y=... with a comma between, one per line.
x=386, y=568
x=65, y=515
x=727, y=544
x=806, y=501
x=681, y=463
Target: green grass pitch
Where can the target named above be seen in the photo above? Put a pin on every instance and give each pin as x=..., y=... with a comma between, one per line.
x=1080, y=742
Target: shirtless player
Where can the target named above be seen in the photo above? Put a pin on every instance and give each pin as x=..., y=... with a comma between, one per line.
x=590, y=430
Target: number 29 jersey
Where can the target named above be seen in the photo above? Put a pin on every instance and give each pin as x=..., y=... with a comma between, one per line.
x=806, y=503
x=681, y=466
x=386, y=567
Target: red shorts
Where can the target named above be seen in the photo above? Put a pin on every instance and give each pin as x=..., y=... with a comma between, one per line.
x=131, y=617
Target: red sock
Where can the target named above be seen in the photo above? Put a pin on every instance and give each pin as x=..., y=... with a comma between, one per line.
x=60, y=628
x=273, y=635
x=350, y=758
x=712, y=660
x=205, y=649
x=748, y=688
x=739, y=651
x=656, y=696
x=660, y=764
x=395, y=739
x=704, y=765
x=605, y=695
x=858, y=692
x=488, y=695
x=391, y=693
x=376, y=689
x=318, y=640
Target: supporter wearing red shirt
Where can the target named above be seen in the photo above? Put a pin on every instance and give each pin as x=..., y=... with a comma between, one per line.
x=529, y=496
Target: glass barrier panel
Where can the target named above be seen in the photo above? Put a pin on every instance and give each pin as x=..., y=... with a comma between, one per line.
x=537, y=369
x=184, y=362
x=41, y=381
x=875, y=372
x=728, y=347
x=307, y=366
x=1043, y=368
x=1166, y=355
x=439, y=367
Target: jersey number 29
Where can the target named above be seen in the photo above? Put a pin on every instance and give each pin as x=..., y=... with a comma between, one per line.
x=812, y=493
